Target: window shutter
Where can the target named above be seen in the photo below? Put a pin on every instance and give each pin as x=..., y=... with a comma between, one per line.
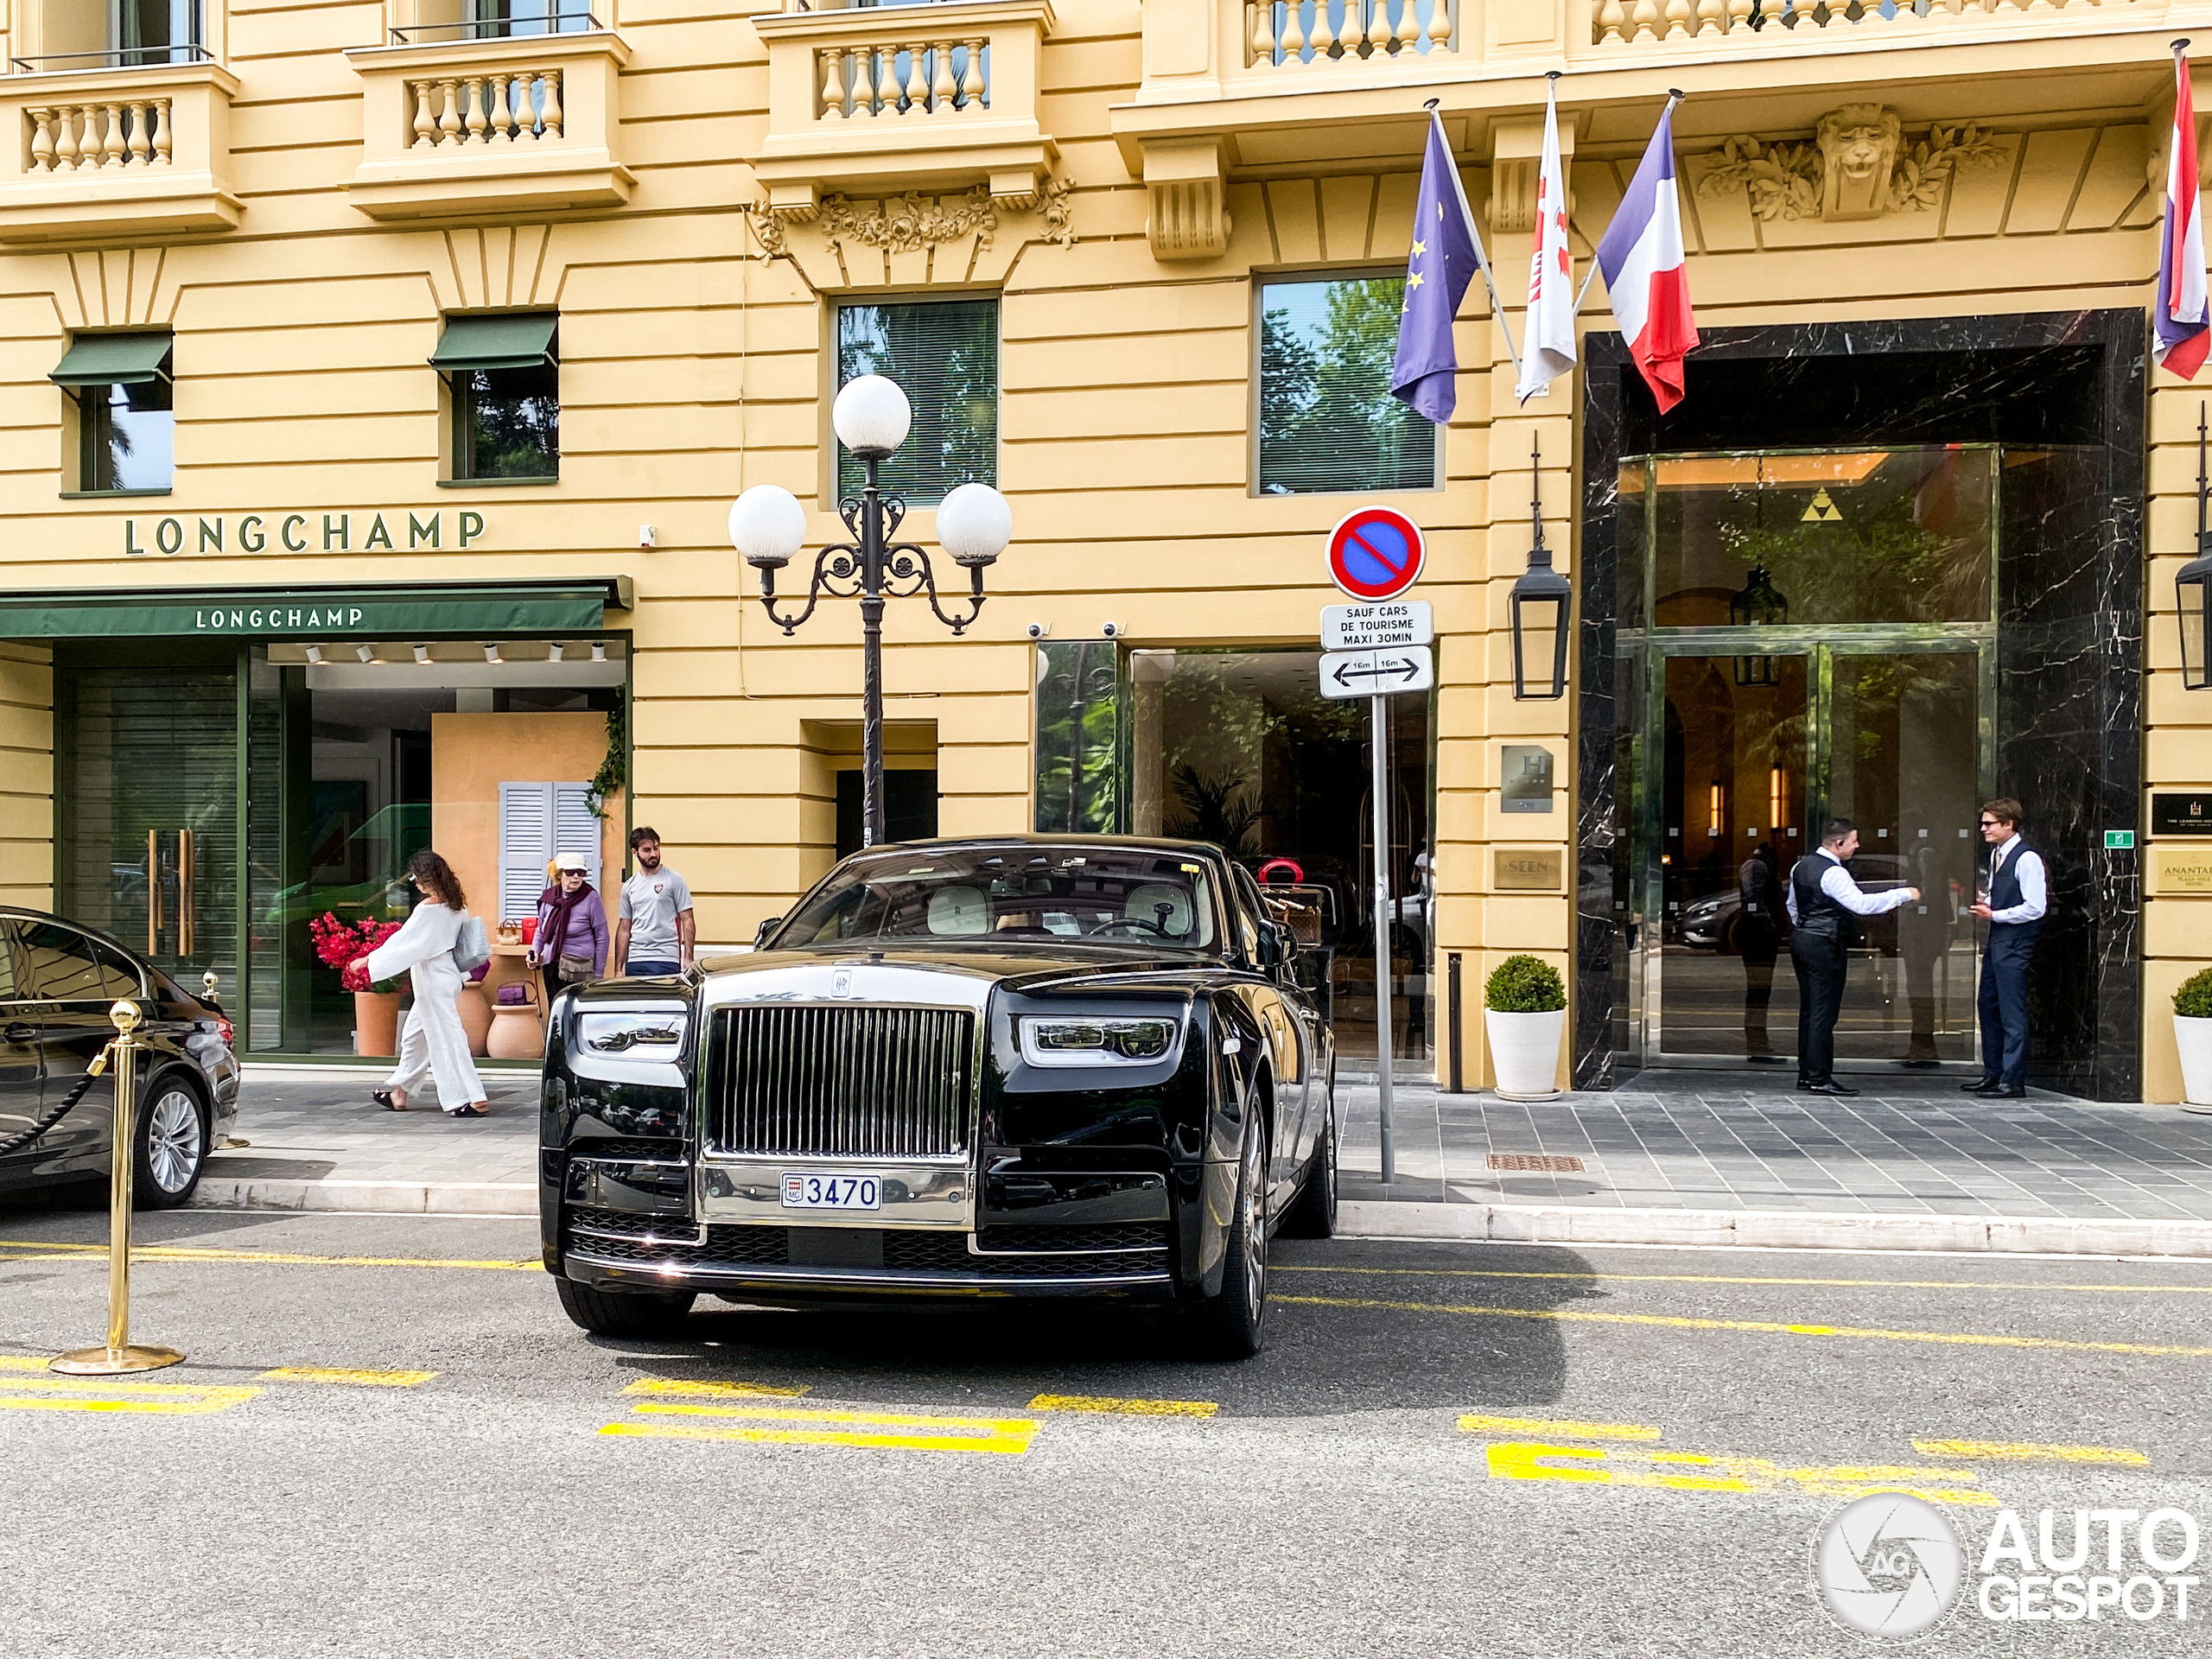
x=574, y=829
x=525, y=844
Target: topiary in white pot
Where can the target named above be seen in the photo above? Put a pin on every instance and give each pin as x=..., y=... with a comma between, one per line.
x=2193, y=1037
x=1524, y=1010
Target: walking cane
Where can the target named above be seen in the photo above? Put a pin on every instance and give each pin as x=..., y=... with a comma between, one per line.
x=118, y=1356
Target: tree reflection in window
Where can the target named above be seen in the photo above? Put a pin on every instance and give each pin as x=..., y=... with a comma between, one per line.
x=1328, y=423
x=510, y=423
x=944, y=355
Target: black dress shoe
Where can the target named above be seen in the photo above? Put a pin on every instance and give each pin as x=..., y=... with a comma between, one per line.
x=1977, y=1086
x=1827, y=1086
x=1998, y=1091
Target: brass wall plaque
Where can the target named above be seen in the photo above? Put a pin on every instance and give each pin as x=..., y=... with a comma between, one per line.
x=2181, y=870
x=1529, y=870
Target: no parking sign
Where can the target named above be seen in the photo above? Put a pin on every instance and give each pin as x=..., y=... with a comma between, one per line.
x=1375, y=553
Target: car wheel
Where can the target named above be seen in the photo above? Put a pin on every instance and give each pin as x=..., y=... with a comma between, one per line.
x=1312, y=1214
x=173, y=1143
x=625, y=1312
x=1228, y=1325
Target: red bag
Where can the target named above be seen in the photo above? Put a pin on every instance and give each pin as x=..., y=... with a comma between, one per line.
x=530, y=930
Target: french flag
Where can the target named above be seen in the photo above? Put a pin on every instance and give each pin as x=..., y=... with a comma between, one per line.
x=2179, y=325
x=1642, y=257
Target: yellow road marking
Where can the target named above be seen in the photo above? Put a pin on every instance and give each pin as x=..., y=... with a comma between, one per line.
x=997, y=1435
x=1106, y=1404
x=1676, y=1322
x=102, y=1394
x=1753, y=1279
x=1604, y=1466
x=1474, y=1423
x=359, y=1379
x=2027, y=1451
x=48, y=1252
x=710, y=1390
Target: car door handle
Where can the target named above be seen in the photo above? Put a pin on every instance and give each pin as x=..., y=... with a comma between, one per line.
x=18, y=1031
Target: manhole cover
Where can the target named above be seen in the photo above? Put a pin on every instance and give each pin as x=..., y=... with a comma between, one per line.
x=1534, y=1163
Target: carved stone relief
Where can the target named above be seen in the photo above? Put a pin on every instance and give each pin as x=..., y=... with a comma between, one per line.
x=1857, y=167
x=847, y=244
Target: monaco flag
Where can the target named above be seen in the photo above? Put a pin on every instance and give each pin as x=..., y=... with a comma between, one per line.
x=1642, y=257
x=2178, y=325
x=1550, y=342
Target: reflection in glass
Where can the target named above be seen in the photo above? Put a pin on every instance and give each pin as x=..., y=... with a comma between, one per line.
x=154, y=31
x=1327, y=420
x=129, y=436
x=510, y=422
x=1078, y=732
x=944, y=355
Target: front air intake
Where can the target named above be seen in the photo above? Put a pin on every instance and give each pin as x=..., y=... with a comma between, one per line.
x=841, y=1082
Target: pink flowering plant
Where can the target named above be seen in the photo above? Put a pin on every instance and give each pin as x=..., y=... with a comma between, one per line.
x=346, y=947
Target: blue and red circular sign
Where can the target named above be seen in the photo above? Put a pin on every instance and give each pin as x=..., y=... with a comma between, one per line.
x=1375, y=553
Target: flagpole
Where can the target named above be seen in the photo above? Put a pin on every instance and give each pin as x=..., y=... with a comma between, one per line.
x=1482, y=259
x=1673, y=98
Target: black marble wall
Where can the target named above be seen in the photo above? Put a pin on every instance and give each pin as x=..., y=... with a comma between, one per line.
x=2068, y=713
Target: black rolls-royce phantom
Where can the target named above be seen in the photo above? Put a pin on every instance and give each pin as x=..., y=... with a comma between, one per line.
x=1016, y=1066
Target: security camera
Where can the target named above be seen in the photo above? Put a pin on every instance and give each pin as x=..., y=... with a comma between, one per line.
x=1038, y=630
x=1111, y=630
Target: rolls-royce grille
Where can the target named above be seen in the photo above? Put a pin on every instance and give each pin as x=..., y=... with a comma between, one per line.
x=843, y=1081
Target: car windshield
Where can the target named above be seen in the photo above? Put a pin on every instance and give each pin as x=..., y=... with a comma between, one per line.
x=1106, y=893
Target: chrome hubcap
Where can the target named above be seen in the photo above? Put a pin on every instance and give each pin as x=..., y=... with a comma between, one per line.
x=172, y=1141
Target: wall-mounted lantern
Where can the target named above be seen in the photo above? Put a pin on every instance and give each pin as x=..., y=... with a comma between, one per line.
x=1542, y=609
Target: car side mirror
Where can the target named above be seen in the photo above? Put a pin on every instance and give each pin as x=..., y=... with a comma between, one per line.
x=1276, y=946
x=766, y=931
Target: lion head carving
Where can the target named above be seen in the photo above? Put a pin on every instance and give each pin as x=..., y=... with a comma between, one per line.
x=1858, y=151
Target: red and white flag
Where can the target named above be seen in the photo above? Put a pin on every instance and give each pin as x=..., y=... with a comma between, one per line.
x=1548, y=349
x=1641, y=256
x=2179, y=325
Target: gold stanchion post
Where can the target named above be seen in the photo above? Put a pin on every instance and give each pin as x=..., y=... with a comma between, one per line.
x=118, y=1356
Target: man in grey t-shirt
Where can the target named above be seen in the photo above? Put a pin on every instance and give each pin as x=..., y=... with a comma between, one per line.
x=655, y=931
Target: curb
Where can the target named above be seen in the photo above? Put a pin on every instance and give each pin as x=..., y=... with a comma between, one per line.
x=1774, y=1229
x=379, y=1198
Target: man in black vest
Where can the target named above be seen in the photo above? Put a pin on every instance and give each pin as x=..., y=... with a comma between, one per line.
x=1821, y=891
x=2013, y=903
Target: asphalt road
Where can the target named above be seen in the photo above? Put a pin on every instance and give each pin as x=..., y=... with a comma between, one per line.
x=387, y=1439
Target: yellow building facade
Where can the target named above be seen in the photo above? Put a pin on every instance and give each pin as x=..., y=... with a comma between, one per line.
x=294, y=297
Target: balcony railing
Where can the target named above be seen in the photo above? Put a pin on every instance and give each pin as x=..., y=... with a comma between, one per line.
x=499, y=125
x=1326, y=31
x=110, y=153
x=1778, y=22
x=915, y=77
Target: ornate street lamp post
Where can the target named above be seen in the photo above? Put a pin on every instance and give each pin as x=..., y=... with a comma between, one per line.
x=1541, y=609
x=767, y=525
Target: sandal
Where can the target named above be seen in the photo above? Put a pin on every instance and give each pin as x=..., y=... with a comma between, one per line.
x=470, y=1111
x=382, y=1097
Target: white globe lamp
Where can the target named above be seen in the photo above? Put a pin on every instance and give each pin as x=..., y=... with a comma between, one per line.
x=871, y=415
x=973, y=525
x=767, y=525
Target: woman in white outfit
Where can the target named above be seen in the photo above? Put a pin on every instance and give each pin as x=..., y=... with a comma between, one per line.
x=434, y=1045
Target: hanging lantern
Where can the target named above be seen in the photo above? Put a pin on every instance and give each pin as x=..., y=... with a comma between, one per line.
x=1541, y=610
x=1759, y=606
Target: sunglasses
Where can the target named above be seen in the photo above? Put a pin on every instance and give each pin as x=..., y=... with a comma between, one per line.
x=1989, y=824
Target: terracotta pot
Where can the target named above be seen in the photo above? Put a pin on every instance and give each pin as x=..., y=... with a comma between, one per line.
x=516, y=1033
x=476, y=1018
x=376, y=1022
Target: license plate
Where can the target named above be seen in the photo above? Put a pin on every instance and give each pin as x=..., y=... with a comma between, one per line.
x=803, y=1191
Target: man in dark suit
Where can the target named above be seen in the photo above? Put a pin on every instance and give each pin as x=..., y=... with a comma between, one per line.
x=2013, y=901
x=1821, y=893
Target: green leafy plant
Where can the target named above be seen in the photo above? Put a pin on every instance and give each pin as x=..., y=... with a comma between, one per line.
x=2194, y=999
x=1215, y=809
x=613, y=772
x=1525, y=984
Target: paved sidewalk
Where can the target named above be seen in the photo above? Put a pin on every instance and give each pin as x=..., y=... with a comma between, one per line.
x=1706, y=1158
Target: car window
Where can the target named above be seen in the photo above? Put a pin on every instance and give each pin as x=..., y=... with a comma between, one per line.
x=65, y=965
x=1248, y=909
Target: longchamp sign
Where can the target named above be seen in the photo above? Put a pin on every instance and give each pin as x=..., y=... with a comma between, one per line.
x=393, y=531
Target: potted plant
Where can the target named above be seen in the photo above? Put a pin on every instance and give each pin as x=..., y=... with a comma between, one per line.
x=376, y=1011
x=2193, y=1037
x=1524, y=1010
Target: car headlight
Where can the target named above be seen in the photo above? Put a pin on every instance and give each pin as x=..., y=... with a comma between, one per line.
x=1097, y=1042
x=631, y=1034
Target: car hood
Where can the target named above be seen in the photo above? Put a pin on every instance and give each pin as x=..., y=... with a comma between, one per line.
x=890, y=969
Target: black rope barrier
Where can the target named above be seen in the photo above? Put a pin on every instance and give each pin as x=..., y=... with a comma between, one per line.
x=17, y=1142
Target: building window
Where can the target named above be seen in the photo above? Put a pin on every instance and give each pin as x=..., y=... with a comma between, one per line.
x=499, y=19
x=1327, y=421
x=126, y=417
x=154, y=31
x=505, y=372
x=944, y=355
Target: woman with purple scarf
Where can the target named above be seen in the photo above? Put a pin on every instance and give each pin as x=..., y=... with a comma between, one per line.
x=571, y=928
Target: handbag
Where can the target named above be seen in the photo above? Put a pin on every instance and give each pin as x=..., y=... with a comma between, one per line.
x=471, y=948
x=575, y=970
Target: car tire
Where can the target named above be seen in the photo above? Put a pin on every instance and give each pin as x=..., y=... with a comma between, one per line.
x=625, y=1312
x=1312, y=1213
x=172, y=1141
x=1230, y=1325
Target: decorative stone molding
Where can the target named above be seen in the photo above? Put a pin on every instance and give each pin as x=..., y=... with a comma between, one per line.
x=844, y=244
x=1857, y=167
x=1187, y=194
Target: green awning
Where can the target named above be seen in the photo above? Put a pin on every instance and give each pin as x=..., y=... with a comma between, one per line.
x=516, y=341
x=370, y=611
x=113, y=360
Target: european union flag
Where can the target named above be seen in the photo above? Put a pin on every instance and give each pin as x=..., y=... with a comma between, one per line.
x=1447, y=252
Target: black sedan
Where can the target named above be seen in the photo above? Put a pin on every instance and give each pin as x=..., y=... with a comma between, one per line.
x=1019, y=1066
x=58, y=980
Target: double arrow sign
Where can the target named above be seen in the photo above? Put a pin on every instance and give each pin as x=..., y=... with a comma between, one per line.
x=1374, y=650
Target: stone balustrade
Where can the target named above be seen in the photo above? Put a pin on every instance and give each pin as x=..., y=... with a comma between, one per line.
x=1322, y=31
x=501, y=107
x=1633, y=23
x=907, y=76
x=119, y=132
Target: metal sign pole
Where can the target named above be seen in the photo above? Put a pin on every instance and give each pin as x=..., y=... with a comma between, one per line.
x=1380, y=721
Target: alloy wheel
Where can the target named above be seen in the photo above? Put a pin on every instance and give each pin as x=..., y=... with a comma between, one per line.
x=174, y=1141
x=1253, y=1221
